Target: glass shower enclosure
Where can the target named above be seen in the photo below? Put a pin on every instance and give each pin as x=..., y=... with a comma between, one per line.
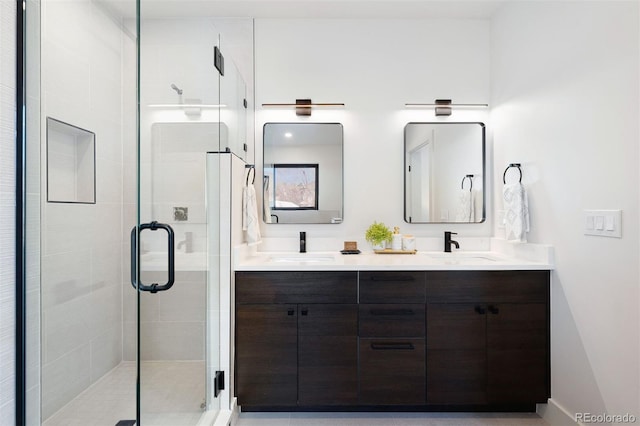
x=132, y=100
x=179, y=120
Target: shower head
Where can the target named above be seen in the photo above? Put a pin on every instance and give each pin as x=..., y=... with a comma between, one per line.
x=174, y=87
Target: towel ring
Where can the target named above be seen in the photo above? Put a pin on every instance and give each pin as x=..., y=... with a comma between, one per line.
x=250, y=167
x=504, y=175
x=470, y=177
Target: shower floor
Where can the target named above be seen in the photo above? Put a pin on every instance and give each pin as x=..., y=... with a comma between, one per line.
x=172, y=394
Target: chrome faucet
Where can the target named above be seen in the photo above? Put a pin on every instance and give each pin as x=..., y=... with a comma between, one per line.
x=448, y=241
x=187, y=243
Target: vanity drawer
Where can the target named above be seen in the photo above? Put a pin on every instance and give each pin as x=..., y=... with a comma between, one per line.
x=391, y=320
x=296, y=287
x=488, y=286
x=392, y=287
x=392, y=371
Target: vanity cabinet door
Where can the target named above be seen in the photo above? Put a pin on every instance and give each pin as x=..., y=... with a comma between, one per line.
x=266, y=354
x=456, y=354
x=488, y=337
x=517, y=360
x=327, y=354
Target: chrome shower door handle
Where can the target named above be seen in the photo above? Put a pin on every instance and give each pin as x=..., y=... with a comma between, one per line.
x=135, y=257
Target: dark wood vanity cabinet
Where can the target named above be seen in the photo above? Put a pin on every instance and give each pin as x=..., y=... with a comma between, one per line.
x=456, y=354
x=433, y=339
x=266, y=354
x=296, y=339
x=327, y=354
x=488, y=337
x=391, y=343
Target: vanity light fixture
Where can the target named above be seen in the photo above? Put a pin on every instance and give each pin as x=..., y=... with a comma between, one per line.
x=304, y=106
x=444, y=107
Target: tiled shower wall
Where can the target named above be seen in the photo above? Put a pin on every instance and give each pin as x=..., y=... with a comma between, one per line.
x=7, y=211
x=82, y=244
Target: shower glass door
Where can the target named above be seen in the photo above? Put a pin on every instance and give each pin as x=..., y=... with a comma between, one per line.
x=177, y=315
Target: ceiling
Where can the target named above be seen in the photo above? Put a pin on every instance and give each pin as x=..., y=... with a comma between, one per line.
x=352, y=9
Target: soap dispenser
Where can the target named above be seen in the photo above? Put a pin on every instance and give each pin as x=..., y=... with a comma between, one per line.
x=396, y=239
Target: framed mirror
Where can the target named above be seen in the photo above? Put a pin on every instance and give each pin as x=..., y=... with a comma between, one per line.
x=444, y=173
x=303, y=173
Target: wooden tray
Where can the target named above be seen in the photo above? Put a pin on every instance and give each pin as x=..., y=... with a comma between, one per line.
x=390, y=251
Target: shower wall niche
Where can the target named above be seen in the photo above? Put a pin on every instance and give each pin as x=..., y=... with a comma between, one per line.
x=71, y=163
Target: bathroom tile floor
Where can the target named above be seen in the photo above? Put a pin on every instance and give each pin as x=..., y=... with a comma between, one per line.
x=390, y=419
x=113, y=397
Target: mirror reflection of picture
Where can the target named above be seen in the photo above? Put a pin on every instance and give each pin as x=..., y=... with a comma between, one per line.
x=294, y=186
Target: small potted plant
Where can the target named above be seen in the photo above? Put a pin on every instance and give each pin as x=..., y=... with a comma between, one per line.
x=377, y=235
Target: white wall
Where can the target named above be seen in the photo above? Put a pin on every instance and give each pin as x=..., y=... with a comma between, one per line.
x=7, y=210
x=374, y=67
x=82, y=84
x=565, y=104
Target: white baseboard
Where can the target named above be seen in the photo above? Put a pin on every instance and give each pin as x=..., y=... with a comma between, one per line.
x=222, y=417
x=209, y=418
x=235, y=412
x=555, y=414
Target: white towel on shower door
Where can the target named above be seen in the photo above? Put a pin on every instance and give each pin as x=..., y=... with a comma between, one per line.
x=250, y=220
x=516, y=212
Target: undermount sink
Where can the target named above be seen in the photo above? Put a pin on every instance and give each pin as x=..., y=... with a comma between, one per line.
x=462, y=257
x=293, y=258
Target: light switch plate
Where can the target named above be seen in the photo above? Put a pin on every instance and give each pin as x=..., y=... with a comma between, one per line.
x=603, y=223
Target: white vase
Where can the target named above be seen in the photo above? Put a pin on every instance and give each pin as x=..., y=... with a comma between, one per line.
x=379, y=246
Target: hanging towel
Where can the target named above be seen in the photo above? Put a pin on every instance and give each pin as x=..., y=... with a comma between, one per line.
x=466, y=211
x=516, y=212
x=250, y=221
x=266, y=203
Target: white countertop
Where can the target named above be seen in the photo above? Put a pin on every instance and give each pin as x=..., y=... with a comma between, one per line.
x=370, y=261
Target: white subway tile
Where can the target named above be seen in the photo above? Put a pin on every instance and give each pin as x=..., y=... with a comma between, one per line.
x=178, y=341
x=106, y=352
x=64, y=379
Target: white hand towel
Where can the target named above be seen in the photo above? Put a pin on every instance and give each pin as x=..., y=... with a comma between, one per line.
x=266, y=209
x=466, y=211
x=250, y=220
x=516, y=212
